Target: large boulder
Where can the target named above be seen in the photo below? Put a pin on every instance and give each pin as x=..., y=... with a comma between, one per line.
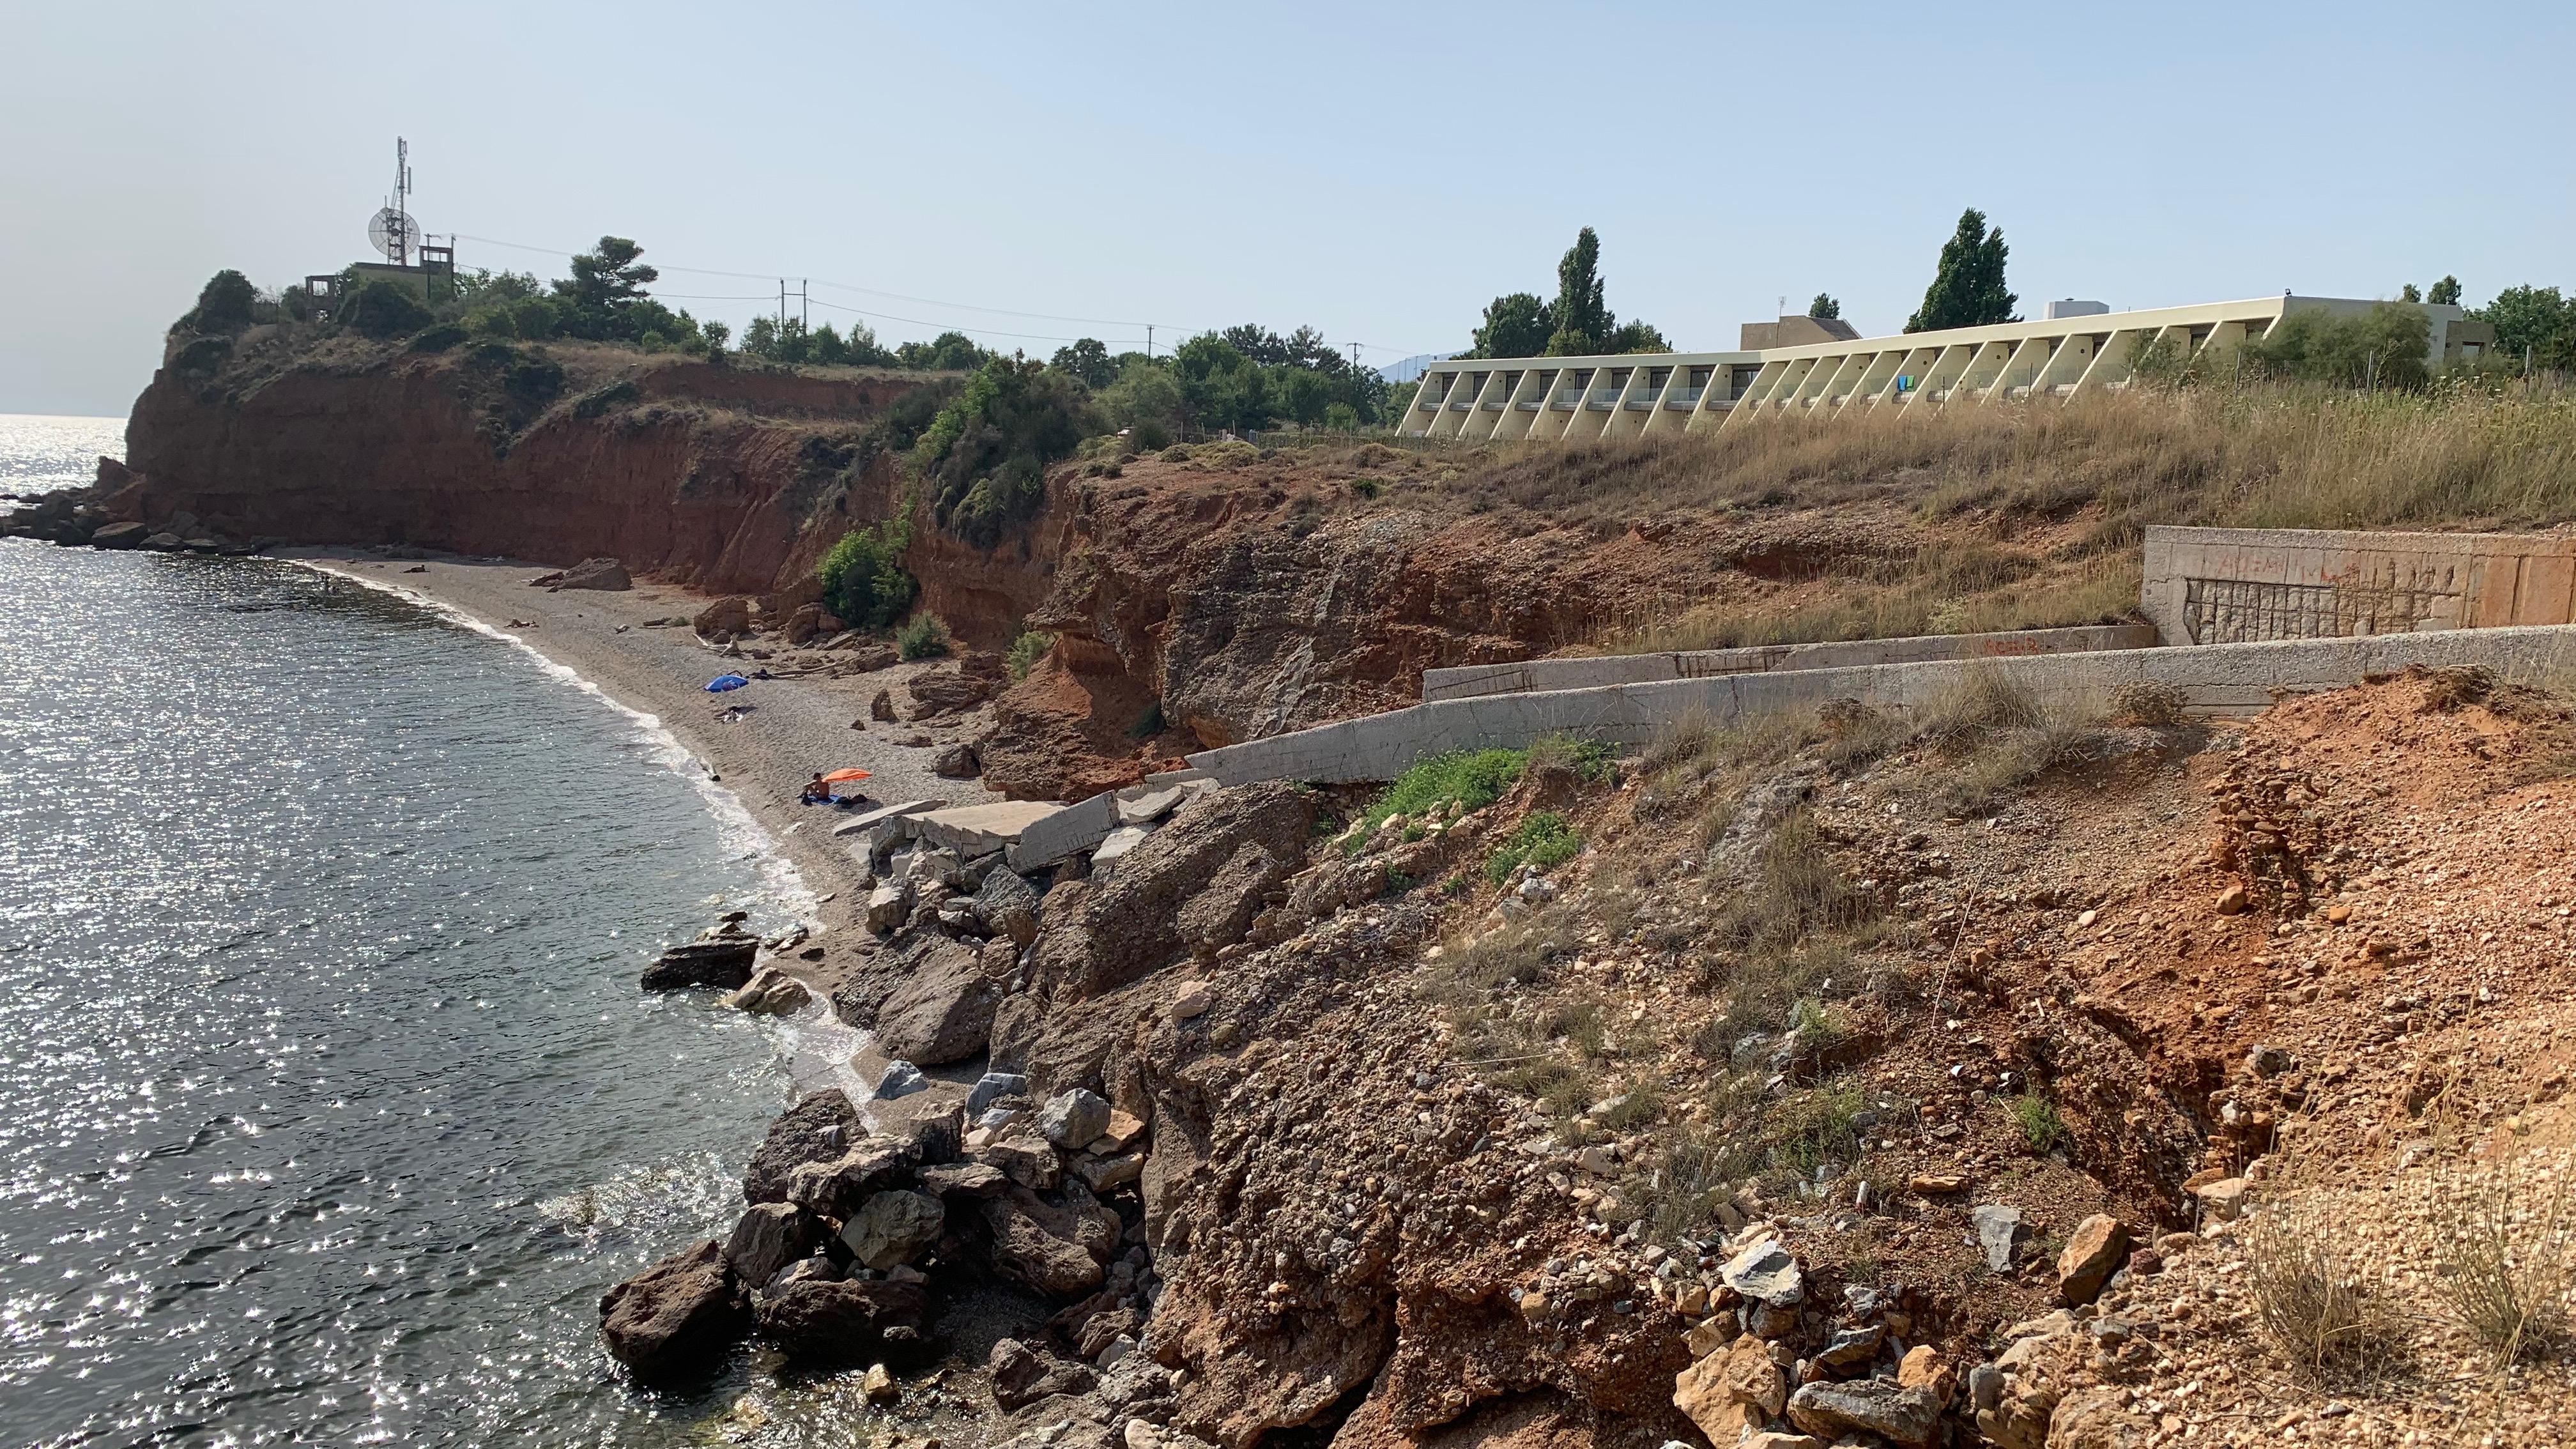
x=835, y=1188
x=1766, y=1273
x=676, y=1319
x=722, y=961
x=1008, y=906
x=1191, y=886
x=1038, y=1244
x=893, y=1228
x=1733, y=1391
x=769, y=1237
x=1072, y=1119
x=948, y=691
x=724, y=617
x=1022, y=1375
x=604, y=574
x=121, y=535
x=944, y=1013
x=845, y=1321
x=2093, y=1253
x=1829, y=1410
x=818, y=1129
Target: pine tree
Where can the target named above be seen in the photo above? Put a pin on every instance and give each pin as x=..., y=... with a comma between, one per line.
x=1825, y=308
x=1968, y=287
x=2446, y=292
x=1583, y=319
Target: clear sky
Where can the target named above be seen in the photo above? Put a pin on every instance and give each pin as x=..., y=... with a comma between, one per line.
x=1379, y=170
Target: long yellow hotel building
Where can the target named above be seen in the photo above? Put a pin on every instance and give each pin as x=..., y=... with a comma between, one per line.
x=1806, y=365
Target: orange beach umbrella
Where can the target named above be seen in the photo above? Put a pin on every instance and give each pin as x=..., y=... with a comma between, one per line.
x=845, y=777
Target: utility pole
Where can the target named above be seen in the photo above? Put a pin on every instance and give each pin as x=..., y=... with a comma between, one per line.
x=1149, y=342
x=805, y=305
x=782, y=304
x=1355, y=356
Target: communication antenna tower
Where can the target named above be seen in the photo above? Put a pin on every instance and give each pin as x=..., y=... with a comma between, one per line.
x=392, y=230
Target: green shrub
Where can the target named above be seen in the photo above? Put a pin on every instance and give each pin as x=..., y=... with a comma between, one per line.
x=1026, y=651
x=2040, y=1125
x=381, y=309
x=491, y=321
x=533, y=380
x=1473, y=778
x=1590, y=759
x=439, y=338
x=202, y=355
x=1820, y=1127
x=863, y=577
x=985, y=455
x=223, y=305
x=926, y=637
x=1368, y=487
x=1543, y=841
x=600, y=399
x=2383, y=347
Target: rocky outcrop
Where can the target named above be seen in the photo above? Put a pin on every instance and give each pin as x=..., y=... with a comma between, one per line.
x=944, y=1012
x=719, y=477
x=845, y=1320
x=1191, y=887
x=722, y=961
x=605, y=575
x=677, y=1318
x=817, y=1130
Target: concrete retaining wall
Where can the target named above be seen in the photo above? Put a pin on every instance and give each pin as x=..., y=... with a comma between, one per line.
x=1477, y=680
x=2232, y=679
x=2234, y=585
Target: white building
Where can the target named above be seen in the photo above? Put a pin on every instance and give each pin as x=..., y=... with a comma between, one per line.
x=1805, y=365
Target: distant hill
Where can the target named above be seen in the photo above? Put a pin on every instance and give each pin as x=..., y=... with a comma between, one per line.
x=1412, y=367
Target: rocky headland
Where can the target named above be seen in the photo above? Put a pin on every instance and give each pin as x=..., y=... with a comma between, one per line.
x=1980, y=1076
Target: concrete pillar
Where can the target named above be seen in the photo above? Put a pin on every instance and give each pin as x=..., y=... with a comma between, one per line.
x=1913, y=363
x=2110, y=367
x=1518, y=416
x=1755, y=399
x=1983, y=367
x=1625, y=421
x=2065, y=365
x=1486, y=410
x=1943, y=374
x=2019, y=369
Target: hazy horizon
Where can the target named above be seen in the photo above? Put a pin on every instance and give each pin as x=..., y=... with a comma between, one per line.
x=1378, y=173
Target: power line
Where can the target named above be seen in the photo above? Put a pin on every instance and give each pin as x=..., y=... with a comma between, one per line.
x=854, y=287
x=1149, y=328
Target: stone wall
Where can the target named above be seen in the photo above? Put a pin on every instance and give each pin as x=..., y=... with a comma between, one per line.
x=1475, y=680
x=2242, y=585
x=2227, y=679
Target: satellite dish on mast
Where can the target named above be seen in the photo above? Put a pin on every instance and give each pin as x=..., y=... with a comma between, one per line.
x=394, y=233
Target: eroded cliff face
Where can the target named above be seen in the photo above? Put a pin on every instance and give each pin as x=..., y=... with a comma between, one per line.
x=726, y=479
x=1230, y=605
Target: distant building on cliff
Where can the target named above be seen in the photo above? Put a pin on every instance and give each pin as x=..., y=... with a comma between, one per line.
x=1822, y=365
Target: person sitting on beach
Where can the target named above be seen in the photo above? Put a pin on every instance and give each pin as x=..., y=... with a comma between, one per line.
x=816, y=792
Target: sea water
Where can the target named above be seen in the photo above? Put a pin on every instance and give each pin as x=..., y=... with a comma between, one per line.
x=328, y=1104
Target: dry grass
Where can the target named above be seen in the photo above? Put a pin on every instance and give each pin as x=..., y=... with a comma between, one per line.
x=2260, y=455
x=2508, y=1248
x=2092, y=474
x=2312, y=1296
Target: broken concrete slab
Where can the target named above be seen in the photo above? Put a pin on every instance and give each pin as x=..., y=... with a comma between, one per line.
x=871, y=819
x=973, y=830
